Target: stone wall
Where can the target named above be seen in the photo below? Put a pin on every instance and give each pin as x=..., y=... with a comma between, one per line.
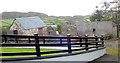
x=84, y=27
x=103, y=27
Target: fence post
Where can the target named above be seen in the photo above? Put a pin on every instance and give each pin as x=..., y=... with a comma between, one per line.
x=86, y=42
x=60, y=41
x=5, y=39
x=102, y=40
x=37, y=45
x=80, y=41
x=96, y=39
x=43, y=41
x=29, y=40
x=69, y=43
x=16, y=39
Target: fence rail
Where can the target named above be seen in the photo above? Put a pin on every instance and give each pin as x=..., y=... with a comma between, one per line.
x=86, y=43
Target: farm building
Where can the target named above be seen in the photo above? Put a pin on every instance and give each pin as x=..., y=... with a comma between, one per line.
x=79, y=26
x=51, y=29
x=28, y=26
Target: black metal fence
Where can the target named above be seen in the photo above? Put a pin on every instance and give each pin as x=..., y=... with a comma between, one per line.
x=87, y=44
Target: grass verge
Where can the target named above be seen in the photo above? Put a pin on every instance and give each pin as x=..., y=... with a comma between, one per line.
x=112, y=51
x=11, y=49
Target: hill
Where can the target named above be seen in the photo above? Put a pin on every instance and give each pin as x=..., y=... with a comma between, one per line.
x=12, y=15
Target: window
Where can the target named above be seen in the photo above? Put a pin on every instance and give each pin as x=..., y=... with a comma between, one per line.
x=93, y=29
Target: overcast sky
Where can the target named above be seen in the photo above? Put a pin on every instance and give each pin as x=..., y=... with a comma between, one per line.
x=51, y=7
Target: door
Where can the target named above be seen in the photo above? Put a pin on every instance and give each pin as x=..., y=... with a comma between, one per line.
x=40, y=31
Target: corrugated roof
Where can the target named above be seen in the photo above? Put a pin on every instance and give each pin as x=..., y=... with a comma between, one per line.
x=30, y=22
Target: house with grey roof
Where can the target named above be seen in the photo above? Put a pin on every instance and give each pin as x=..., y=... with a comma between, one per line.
x=28, y=26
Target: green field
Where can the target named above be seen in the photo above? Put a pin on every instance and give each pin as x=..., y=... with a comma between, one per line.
x=11, y=49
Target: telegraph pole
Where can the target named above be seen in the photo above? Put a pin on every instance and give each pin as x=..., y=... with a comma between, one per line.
x=117, y=19
x=116, y=16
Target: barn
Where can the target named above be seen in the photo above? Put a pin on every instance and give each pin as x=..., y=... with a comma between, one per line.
x=28, y=26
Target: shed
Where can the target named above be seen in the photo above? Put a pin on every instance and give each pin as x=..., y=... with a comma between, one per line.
x=28, y=26
x=51, y=29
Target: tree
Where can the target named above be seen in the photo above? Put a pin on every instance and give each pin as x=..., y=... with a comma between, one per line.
x=116, y=8
x=97, y=16
x=59, y=28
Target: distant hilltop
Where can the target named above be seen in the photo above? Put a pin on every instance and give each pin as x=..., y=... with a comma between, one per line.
x=12, y=15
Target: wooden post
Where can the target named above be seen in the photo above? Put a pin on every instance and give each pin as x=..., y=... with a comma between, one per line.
x=86, y=42
x=5, y=39
x=16, y=39
x=80, y=42
x=37, y=45
x=43, y=41
x=29, y=40
x=102, y=38
x=69, y=43
x=60, y=41
x=96, y=39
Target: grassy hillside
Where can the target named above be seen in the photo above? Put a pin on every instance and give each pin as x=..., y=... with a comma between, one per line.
x=51, y=20
x=6, y=22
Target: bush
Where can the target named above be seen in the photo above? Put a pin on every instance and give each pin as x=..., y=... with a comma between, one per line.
x=108, y=36
x=59, y=28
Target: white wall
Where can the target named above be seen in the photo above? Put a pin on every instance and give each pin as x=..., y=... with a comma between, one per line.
x=80, y=57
